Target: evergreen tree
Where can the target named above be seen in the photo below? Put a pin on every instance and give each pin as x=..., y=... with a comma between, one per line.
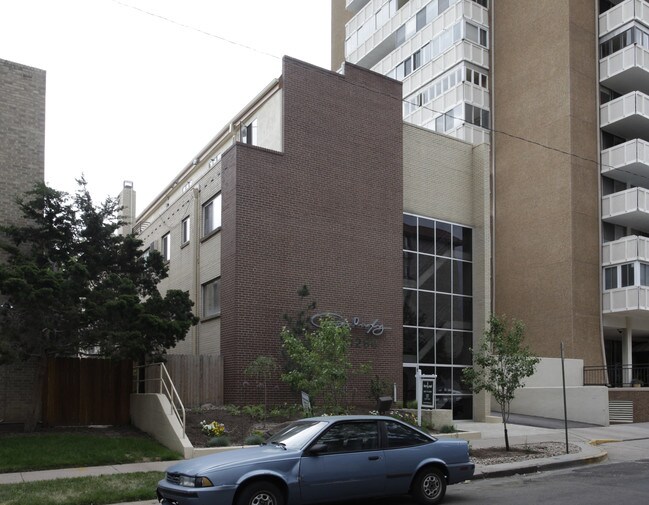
x=72, y=286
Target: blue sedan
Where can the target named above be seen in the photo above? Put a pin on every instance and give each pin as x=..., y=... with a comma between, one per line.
x=323, y=459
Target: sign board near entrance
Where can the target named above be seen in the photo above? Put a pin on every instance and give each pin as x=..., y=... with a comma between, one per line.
x=428, y=393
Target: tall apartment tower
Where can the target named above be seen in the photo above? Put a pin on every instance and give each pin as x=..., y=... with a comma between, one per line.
x=560, y=91
x=439, y=49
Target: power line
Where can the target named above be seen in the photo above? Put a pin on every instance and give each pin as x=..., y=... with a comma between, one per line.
x=198, y=30
x=402, y=99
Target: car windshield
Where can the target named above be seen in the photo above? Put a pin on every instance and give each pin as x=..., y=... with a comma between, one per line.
x=296, y=435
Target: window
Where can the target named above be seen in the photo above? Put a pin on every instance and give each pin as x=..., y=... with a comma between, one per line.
x=166, y=249
x=400, y=435
x=212, y=298
x=249, y=133
x=351, y=437
x=438, y=306
x=184, y=231
x=644, y=274
x=476, y=34
x=476, y=115
x=626, y=277
x=212, y=215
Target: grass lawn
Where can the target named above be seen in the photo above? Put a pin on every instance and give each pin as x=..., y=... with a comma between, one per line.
x=24, y=452
x=83, y=490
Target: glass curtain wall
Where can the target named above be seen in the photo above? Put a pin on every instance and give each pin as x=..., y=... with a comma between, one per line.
x=438, y=309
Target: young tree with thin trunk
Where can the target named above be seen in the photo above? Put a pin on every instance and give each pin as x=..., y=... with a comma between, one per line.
x=501, y=364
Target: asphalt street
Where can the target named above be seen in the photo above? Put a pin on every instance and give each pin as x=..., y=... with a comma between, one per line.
x=623, y=482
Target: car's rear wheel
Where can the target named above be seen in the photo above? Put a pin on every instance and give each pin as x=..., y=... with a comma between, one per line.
x=260, y=492
x=429, y=487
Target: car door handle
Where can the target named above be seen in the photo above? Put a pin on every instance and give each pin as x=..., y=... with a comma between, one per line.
x=373, y=458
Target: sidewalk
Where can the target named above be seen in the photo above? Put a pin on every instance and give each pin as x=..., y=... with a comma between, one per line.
x=588, y=438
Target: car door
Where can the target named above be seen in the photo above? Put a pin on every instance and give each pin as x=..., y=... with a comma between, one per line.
x=350, y=464
x=404, y=450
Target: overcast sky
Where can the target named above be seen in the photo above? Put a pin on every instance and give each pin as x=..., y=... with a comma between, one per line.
x=132, y=96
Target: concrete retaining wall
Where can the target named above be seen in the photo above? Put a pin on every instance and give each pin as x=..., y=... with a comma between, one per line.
x=585, y=404
x=152, y=414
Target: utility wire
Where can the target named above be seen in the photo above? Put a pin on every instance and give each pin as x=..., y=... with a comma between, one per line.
x=198, y=30
x=402, y=100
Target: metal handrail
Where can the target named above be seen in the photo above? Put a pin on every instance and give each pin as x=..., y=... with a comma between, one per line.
x=168, y=390
x=617, y=375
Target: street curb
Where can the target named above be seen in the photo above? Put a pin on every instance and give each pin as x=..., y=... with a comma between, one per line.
x=600, y=441
x=540, y=465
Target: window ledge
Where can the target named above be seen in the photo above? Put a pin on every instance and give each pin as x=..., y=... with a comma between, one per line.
x=184, y=244
x=210, y=318
x=211, y=234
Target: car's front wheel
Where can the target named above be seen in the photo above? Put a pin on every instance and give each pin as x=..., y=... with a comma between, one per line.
x=261, y=493
x=429, y=487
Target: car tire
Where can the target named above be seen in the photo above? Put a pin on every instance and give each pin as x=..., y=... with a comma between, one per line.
x=261, y=492
x=429, y=487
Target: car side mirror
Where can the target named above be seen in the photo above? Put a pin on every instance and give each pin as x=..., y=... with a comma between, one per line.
x=318, y=449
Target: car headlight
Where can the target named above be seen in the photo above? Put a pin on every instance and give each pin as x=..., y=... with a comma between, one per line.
x=188, y=481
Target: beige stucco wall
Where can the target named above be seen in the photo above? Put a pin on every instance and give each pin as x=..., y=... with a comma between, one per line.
x=194, y=263
x=448, y=179
x=546, y=175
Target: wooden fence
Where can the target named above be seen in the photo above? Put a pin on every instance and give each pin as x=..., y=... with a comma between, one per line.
x=198, y=379
x=87, y=391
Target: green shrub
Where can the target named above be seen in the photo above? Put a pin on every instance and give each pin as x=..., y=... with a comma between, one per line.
x=286, y=411
x=447, y=428
x=222, y=441
x=234, y=410
x=254, y=440
x=257, y=412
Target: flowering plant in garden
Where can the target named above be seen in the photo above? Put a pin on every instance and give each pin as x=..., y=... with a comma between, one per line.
x=213, y=429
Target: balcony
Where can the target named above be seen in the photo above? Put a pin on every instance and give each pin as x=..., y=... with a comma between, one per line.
x=628, y=301
x=627, y=116
x=626, y=70
x=355, y=5
x=625, y=250
x=627, y=208
x=622, y=14
x=628, y=162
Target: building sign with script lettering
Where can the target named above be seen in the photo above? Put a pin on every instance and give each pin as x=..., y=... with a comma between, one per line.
x=374, y=327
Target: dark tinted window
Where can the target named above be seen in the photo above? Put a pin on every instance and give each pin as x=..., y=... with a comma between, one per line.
x=400, y=435
x=352, y=436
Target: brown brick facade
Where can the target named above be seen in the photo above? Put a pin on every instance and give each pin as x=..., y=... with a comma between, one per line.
x=327, y=212
x=640, y=399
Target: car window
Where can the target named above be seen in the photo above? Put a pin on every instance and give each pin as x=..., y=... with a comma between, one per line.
x=400, y=435
x=296, y=435
x=351, y=436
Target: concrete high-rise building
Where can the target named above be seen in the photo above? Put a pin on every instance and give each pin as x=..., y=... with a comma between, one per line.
x=438, y=49
x=558, y=90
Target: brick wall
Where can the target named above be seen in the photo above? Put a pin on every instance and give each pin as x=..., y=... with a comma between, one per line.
x=22, y=134
x=16, y=390
x=22, y=155
x=327, y=212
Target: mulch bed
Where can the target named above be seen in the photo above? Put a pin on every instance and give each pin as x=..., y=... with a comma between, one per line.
x=237, y=426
